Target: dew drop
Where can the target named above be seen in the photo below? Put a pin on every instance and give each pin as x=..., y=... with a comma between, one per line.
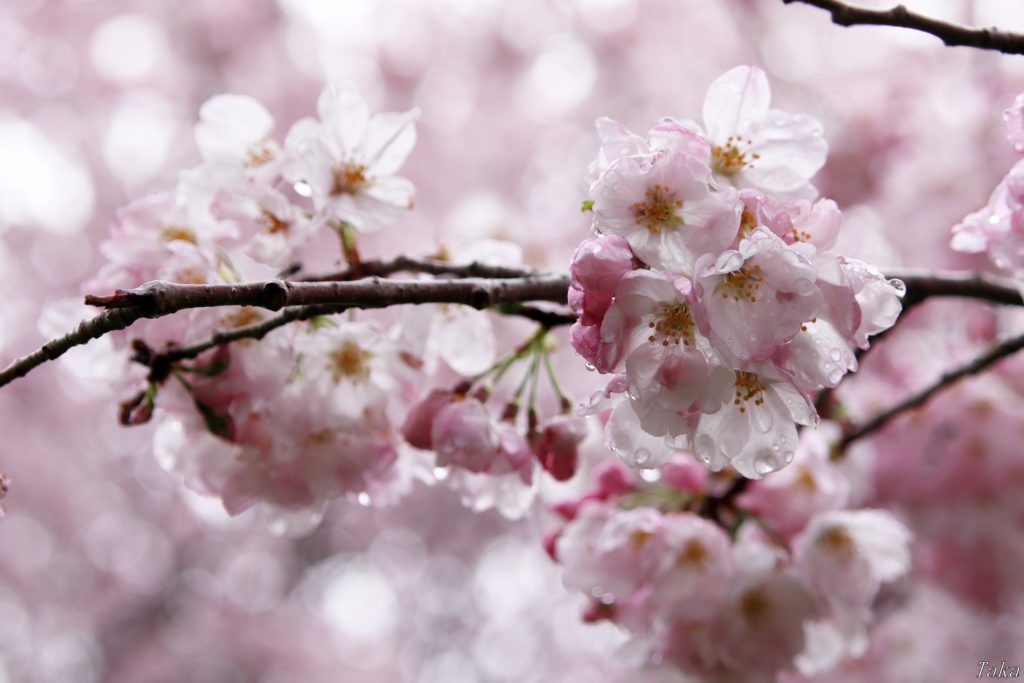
x=641, y=457
x=303, y=189
x=835, y=354
x=440, y=473
x=650, y=475
x=764, y=465
x=590, y=366
x=363, y=499
x=835, y=375
x=898, y=286
x=788, y=456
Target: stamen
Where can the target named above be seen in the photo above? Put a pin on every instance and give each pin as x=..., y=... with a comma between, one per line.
x=672, y=324
x=728, y=159
x=741, y=284
x=350, y=361
x=657, y=211
x=749, y=387
x=348, y=178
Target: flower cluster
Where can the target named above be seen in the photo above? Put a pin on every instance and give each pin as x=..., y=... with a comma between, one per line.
x=308, y=413
x=998, y=228
x=711, y=290
x=790, y=583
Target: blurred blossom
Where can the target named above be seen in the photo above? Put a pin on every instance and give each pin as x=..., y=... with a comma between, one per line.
x=113, y=571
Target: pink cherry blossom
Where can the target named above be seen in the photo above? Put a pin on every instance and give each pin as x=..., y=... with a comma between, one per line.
x=756, y=298
x=754, y=146
x=663, y=206
x=348, y=159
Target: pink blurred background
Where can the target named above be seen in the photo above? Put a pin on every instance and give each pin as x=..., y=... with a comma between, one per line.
x=111, y=571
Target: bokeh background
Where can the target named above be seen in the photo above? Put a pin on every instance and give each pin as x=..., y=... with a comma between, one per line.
x=111, y=571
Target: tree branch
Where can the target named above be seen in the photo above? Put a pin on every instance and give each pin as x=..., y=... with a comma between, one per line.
x=158, y=298
x=429, y=266
x=998, y=352
x=306, y=299
x=899, y=16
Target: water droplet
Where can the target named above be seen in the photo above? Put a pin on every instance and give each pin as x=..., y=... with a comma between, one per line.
x=641, y=457
x=303, y=189
x=650, y=475
x=835, y=354
x=835, y=375
x=363, y=499
x=440, y=473
x=764, y=465
x=898, y=286
x=788, y=456
x=590, y=366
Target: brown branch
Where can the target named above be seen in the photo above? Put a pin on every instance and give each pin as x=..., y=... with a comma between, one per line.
x=924, y=284
x=156, y=299
x=301, y=300
x=899, y=16
x=87, y=330
x=998, y=352
x=429, y=266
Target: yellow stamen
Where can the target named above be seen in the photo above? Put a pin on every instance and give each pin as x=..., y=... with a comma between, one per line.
x=657, y=211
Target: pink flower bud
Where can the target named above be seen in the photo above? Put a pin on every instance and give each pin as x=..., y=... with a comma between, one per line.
x=464, y=436
x=420, y=420
x=556, y=447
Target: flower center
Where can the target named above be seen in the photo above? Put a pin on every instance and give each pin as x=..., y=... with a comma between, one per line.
x=272, y=223
x=837, y=540
x=753, y=606
x=260, y=153
x=694, y=555
x=748, y=221
x=728, y=159
x=348, y=178
x=638, y=539
x=658, y=209
x=349, y=361
x=243, y=317
x=748, y=388
x=170, y=233
x=673, y=324
x=741, y=284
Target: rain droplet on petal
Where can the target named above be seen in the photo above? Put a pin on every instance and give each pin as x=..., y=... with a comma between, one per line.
x=440, y=473
x=764, y=465
x=835, y=354
x=363, y=499
x=898, y=286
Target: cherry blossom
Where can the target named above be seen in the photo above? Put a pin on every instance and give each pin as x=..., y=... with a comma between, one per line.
x=348, y=159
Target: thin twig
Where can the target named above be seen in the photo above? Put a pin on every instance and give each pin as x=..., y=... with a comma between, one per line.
x=998, y=352
x=899, y=16
x=429, y=266
x=87, y=330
